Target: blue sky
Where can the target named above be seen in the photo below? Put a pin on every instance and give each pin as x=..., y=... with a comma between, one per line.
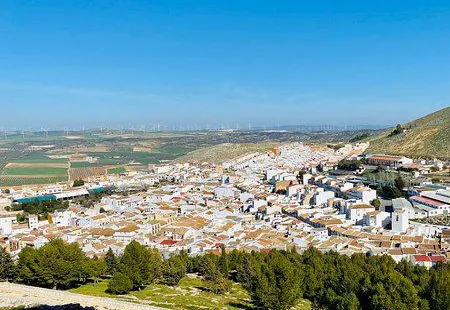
x=116, y=63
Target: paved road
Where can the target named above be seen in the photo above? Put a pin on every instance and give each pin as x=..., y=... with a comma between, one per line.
x=13, y=295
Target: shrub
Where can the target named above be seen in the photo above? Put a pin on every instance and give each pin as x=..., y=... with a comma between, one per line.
x=120, y=284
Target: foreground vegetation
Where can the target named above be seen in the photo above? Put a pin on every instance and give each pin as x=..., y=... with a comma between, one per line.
x=273, y=280
x=190, y=293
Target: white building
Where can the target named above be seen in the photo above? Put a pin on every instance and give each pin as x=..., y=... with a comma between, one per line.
x=356, y=212
x=6, y=226
x=61, y=218
x=403, y=204
x=400, y=221
x=321, y=198
x=294, y=190
x=223, y=191
x=365, y=194
x=306, y=177
x=33, y=222
x=377, y=218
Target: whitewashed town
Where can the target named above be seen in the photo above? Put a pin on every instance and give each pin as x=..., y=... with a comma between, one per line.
x=293, y=196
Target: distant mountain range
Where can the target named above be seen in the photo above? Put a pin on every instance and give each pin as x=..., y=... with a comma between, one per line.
x=428, y=136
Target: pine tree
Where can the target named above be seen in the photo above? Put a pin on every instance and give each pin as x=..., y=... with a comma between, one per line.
x=110, y=261
x=174, y=270
x=140, y=265
x=7, y=267
x=120, y=284
x=223, y=261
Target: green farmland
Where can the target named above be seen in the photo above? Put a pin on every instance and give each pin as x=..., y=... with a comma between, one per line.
x=12, y=180
x=34, y=171
x=116, y=170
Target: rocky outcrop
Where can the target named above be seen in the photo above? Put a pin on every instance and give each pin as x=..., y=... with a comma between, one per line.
x=16, y=295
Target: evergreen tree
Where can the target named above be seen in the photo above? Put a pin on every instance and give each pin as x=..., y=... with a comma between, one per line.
x=7, y=266
x=439, y=288
x=95, y=268
x=56, y=264
x=120, y=284
x=223, y=261
x=27, y=265
x=174, y=270
x=278, y=286
x=110, y=261
x=399, y=182
x=140, y=265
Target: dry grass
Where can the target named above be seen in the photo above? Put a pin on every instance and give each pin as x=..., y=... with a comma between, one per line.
x=36, y=165
x=428, y=136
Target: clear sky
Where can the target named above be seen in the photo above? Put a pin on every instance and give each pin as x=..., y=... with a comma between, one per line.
x=98, y=63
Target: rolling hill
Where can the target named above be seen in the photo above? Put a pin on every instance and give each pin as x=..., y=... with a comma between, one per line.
x=216, y=154
x=428, y=136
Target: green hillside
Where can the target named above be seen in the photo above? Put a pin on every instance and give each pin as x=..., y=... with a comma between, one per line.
x=428, y=136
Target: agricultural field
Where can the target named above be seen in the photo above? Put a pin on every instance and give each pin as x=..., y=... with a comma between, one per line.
x=116, y=170
x=13, y=180
x=33, y=169
x=131, y=150
x=190, y=294
x=85, y=173
x=82, y=164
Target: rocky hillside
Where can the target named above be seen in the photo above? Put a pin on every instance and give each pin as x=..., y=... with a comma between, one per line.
x=428, y=136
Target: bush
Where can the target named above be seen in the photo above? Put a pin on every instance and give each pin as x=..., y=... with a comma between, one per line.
x=351, y=165
x=220, y=285
x=120, y=284
x=398, y=130
x=78, y=183
x=360, y=137
x=376, y=203
x=434, y=169
x=389, y=192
